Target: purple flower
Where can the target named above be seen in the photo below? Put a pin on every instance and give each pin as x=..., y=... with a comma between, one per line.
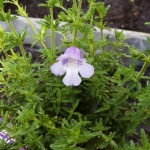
x=73, y=63
x=1, y=120
x=6, y=137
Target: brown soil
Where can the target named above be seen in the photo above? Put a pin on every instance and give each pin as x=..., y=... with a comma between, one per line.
x=124, y=14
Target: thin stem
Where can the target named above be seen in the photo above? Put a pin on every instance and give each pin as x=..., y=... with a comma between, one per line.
x=52, y=34
x=101, y=30
x=79, y=10
x=12, y=52
x=92, y=50
x=92, y=15
x=75, y=4
x=91, y=45
x=18, y=38
x=43, y=44
x=91, y=42
x=75, y=31
x=146, y=64
x=102, y=36
x=75, y=34
x=24, y=14
x=113, y=48
x=20, y=42
x=91, y=20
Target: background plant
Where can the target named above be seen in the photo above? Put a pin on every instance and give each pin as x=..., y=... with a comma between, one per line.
x=101, y=113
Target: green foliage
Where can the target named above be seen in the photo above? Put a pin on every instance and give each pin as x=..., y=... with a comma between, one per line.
x=71, y=135
x=147, y=23
x=100, y=114
x=138, y=55
x=145, y=145
x=7, y=16
x=1, y=4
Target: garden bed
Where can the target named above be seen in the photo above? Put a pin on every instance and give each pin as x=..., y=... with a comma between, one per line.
x=101, y=99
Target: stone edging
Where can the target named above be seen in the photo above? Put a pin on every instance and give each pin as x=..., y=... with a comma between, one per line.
x=138, y=39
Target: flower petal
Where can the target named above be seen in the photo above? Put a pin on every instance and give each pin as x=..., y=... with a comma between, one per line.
x=72, y=78
x=86, y=70
x=1, y=120
x=57, y=68
x=62, y=57
x=74, y=52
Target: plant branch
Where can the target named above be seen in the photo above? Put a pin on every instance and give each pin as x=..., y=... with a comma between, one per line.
x=52, y=34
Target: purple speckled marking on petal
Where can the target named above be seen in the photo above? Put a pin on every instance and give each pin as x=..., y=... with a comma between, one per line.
x=80, y=63
x=74, y=52
x=22, y=148
x=65, y=61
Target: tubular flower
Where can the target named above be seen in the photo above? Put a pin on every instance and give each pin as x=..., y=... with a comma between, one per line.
x=73, y=63
x=5, y=136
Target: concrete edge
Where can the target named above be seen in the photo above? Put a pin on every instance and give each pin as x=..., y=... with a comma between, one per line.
x=21, y=22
